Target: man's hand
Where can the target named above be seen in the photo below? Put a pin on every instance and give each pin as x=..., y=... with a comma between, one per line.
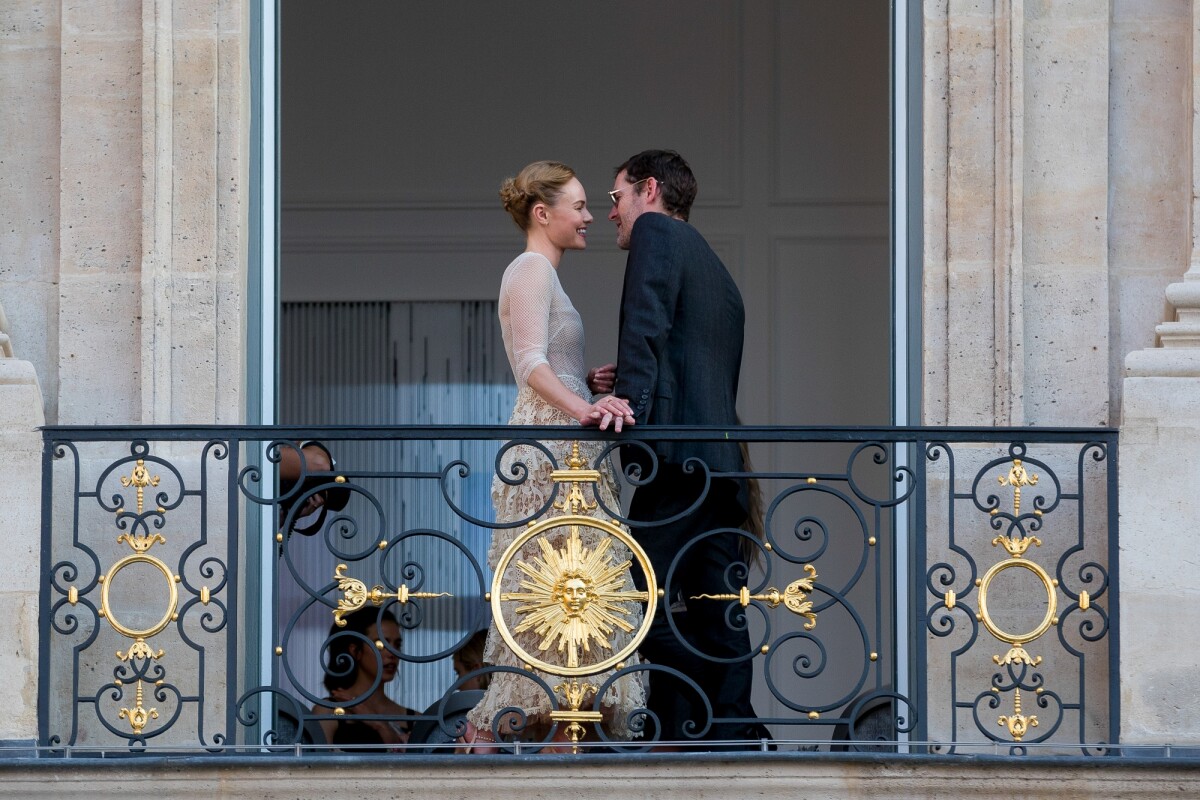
x=601, y=380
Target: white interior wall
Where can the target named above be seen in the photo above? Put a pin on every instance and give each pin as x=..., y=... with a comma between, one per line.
x=399, y=121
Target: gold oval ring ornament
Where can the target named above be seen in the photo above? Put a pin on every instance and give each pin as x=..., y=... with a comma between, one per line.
x=172, y=603
x=573, y=597
x=1051, y=601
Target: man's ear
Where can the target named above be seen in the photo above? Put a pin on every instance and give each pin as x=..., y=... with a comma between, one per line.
x=652, y=190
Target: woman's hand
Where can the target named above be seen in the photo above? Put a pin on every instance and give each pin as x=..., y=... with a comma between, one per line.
x=607, y=410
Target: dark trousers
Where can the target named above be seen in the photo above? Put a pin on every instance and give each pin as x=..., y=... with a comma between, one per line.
x=705, y=568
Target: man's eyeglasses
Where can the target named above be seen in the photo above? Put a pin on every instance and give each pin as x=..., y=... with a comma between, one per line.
x=615, y=194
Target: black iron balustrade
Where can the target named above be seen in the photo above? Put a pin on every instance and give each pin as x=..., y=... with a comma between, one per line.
x=914, y=589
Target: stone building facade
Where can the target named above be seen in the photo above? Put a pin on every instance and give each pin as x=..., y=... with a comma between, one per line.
x=1061, y=277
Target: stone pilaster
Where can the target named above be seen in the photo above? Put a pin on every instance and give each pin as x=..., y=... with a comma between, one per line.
x=194, y=128
x=1160, y=473
x=1016, y=181
x=153, y=142
x=20, y=496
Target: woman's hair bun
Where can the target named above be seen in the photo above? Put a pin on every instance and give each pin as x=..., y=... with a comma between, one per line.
x=539, y=182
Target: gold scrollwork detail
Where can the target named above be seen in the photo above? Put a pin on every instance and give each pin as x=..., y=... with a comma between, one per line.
x=172, y=602
x=139, y=479
x=139, y=715
x=1016, y=546
x=985, y=616
x=140, y=649
x=1017, y=655
x=1017, y=477
x=794, y=597
x=1017, y=723
x=575, y=692
x=574, y=502
x=355, y=595
x=141, y=543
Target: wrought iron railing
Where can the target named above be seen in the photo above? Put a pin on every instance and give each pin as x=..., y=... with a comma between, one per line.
x=911, y=590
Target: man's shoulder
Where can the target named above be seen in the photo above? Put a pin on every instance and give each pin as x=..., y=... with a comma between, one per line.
x=656, y=223
x=682, y=235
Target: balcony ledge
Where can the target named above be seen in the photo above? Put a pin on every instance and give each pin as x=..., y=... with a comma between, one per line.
x=663, y=777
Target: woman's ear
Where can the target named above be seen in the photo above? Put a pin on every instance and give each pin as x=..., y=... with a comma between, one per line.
x=540, y=213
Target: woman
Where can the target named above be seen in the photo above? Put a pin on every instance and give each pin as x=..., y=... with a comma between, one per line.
x=356, y=674
x=543, y=336
x=469, y=658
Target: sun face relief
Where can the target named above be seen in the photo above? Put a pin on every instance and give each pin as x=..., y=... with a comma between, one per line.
x=573, y=594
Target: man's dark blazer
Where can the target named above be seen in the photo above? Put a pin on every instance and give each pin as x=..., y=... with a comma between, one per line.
x=680, y=349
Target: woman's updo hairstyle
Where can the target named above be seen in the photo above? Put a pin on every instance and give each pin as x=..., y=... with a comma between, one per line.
x=539, y=182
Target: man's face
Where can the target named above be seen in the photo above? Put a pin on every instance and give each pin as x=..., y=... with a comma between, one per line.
x=628, y=208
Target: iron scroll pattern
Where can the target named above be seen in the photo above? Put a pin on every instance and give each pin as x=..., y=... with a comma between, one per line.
x=125, y=659
x=843, y=657
x=1017, y=513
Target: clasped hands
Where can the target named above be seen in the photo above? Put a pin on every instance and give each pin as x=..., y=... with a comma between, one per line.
x=610, y=409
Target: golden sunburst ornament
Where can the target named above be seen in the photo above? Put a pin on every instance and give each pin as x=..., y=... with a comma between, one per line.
x=573, y=597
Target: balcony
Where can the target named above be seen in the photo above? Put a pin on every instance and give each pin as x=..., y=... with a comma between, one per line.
x=923, y=593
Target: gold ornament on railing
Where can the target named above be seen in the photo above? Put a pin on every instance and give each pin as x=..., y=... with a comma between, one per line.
x=574, y=596
x=139, y=479
x=574, y=693
x=574, y=476
x=1017, y=723
x=1017, y=477
x=355, y=595
x=139, y=715
x=1017, y=547
x=794, y=597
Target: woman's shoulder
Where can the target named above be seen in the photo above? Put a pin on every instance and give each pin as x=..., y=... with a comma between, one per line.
x=530, y=270
x=530, y=262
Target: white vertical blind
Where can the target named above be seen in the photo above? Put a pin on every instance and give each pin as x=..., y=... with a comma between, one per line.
x=395, y=363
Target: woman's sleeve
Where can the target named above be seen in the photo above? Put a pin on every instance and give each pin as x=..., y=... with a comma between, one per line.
x=530, y=286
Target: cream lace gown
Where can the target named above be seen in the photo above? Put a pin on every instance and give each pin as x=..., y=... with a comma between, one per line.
x=540, y=326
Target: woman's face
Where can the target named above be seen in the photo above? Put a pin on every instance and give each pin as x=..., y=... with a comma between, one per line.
x=368, y=663
x=568, y=218
x=468, y=664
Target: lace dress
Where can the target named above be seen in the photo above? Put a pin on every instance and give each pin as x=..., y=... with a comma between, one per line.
x=540, y=326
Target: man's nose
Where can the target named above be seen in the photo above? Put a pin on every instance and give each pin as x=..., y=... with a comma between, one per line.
x=613, y=214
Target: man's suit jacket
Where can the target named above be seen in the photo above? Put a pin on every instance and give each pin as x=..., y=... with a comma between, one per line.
x=680, y=350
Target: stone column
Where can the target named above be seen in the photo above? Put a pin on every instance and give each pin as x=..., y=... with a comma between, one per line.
x=1160, y=503
x=20, y=496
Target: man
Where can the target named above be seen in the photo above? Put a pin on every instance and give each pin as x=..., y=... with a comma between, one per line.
x=678, y=360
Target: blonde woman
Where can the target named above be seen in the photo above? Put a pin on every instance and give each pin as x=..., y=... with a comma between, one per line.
x=543, y=336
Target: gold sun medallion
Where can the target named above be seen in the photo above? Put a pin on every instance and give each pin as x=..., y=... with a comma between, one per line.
x=574, y=597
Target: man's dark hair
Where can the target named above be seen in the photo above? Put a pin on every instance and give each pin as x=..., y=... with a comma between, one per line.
x=672, y=173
